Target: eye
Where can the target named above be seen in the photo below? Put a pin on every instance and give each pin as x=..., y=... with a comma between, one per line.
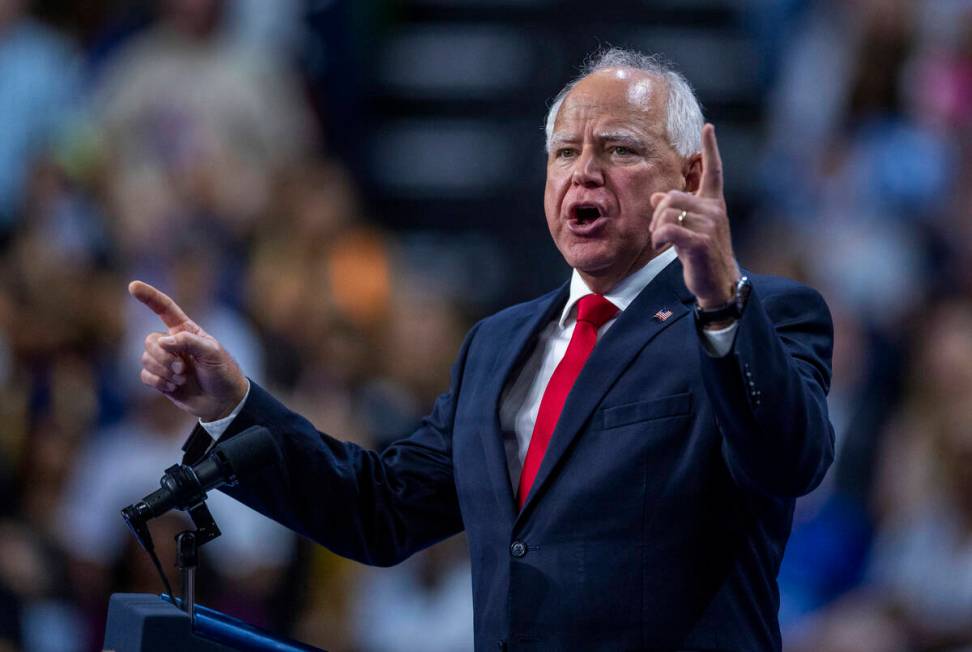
x=565, y=152
x=621, y=150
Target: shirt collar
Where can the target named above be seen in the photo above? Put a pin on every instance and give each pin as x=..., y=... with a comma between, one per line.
x=624, y=292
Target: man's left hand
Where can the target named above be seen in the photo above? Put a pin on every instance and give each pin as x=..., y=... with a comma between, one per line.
x=702, y=236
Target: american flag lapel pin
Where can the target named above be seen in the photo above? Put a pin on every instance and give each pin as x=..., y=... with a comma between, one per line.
x=663, y=314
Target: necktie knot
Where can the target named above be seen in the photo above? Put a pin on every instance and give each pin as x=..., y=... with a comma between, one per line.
x=595, y=310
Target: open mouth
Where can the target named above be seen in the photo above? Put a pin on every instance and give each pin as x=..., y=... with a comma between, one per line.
x=586, y=213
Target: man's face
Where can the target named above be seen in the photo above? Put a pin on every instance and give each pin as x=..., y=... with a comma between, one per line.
x=609, y=152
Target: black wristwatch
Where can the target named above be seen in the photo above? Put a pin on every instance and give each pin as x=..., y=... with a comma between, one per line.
x=730, y=311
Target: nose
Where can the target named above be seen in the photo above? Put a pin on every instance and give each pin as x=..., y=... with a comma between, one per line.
x=587, y=170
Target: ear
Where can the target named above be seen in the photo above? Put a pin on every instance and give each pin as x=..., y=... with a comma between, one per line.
x=692, y=172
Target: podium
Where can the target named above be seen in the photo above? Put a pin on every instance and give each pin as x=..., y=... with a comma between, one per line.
x=142, y=622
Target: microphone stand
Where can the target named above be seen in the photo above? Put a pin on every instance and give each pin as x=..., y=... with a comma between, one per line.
x=187, y=554
x=187, y=548
x=187, y=558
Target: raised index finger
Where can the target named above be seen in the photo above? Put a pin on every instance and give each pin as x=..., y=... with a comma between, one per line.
x=711, y=182
x=160, y=303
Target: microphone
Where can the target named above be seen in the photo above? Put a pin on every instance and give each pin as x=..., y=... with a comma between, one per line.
x=184, y=487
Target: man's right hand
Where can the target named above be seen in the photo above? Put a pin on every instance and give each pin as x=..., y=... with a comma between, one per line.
x=187, y=364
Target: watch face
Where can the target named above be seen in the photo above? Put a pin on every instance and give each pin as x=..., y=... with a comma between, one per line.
x=743, y=288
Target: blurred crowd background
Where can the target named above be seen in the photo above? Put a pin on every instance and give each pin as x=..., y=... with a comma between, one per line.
x=337, y=190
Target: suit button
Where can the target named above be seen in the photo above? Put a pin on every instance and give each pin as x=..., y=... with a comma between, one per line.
x=518, y=549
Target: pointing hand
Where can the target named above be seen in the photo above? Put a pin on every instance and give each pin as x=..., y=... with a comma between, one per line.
x=187, y=364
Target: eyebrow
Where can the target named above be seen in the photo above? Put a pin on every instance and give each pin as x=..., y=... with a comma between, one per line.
x=557, y=140
x=620, y=137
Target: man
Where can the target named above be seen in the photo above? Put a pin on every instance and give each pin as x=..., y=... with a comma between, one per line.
x=633, y=495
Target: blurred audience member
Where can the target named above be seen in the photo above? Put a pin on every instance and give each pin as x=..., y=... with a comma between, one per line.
x=39, y=88
x=918, y=592
x=194, y=128
x=423, y=603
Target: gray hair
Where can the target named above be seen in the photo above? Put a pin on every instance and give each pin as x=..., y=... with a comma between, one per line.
x=684, y=113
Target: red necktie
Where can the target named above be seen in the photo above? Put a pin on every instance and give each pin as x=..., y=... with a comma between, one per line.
x=593, y=311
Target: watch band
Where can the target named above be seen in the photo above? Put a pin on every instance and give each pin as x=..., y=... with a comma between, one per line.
x=730, y=311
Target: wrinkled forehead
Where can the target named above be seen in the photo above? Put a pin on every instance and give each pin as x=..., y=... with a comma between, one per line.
x=621, y=94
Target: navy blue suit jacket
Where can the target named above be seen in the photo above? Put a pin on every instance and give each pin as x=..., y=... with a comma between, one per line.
x=662, y=507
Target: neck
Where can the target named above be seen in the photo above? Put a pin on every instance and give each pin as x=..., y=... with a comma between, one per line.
x=599, y=284
x=605, y=281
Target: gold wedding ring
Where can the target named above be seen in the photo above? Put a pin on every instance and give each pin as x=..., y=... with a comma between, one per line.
x=681, y=217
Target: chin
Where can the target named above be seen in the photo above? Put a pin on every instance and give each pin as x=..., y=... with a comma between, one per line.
x=593, y=268
x=589, y=258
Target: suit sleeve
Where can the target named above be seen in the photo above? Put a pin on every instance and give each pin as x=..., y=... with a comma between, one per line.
x=769, y=393
x=374, y=508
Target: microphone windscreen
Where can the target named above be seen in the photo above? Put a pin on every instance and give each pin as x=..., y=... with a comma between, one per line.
x=249, y=451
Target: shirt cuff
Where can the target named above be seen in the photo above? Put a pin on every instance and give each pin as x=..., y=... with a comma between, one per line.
x=218, y=427
x=718, y=342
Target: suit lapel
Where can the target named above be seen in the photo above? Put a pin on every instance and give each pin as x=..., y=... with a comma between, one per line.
x=643, y=320
x=514, y=346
